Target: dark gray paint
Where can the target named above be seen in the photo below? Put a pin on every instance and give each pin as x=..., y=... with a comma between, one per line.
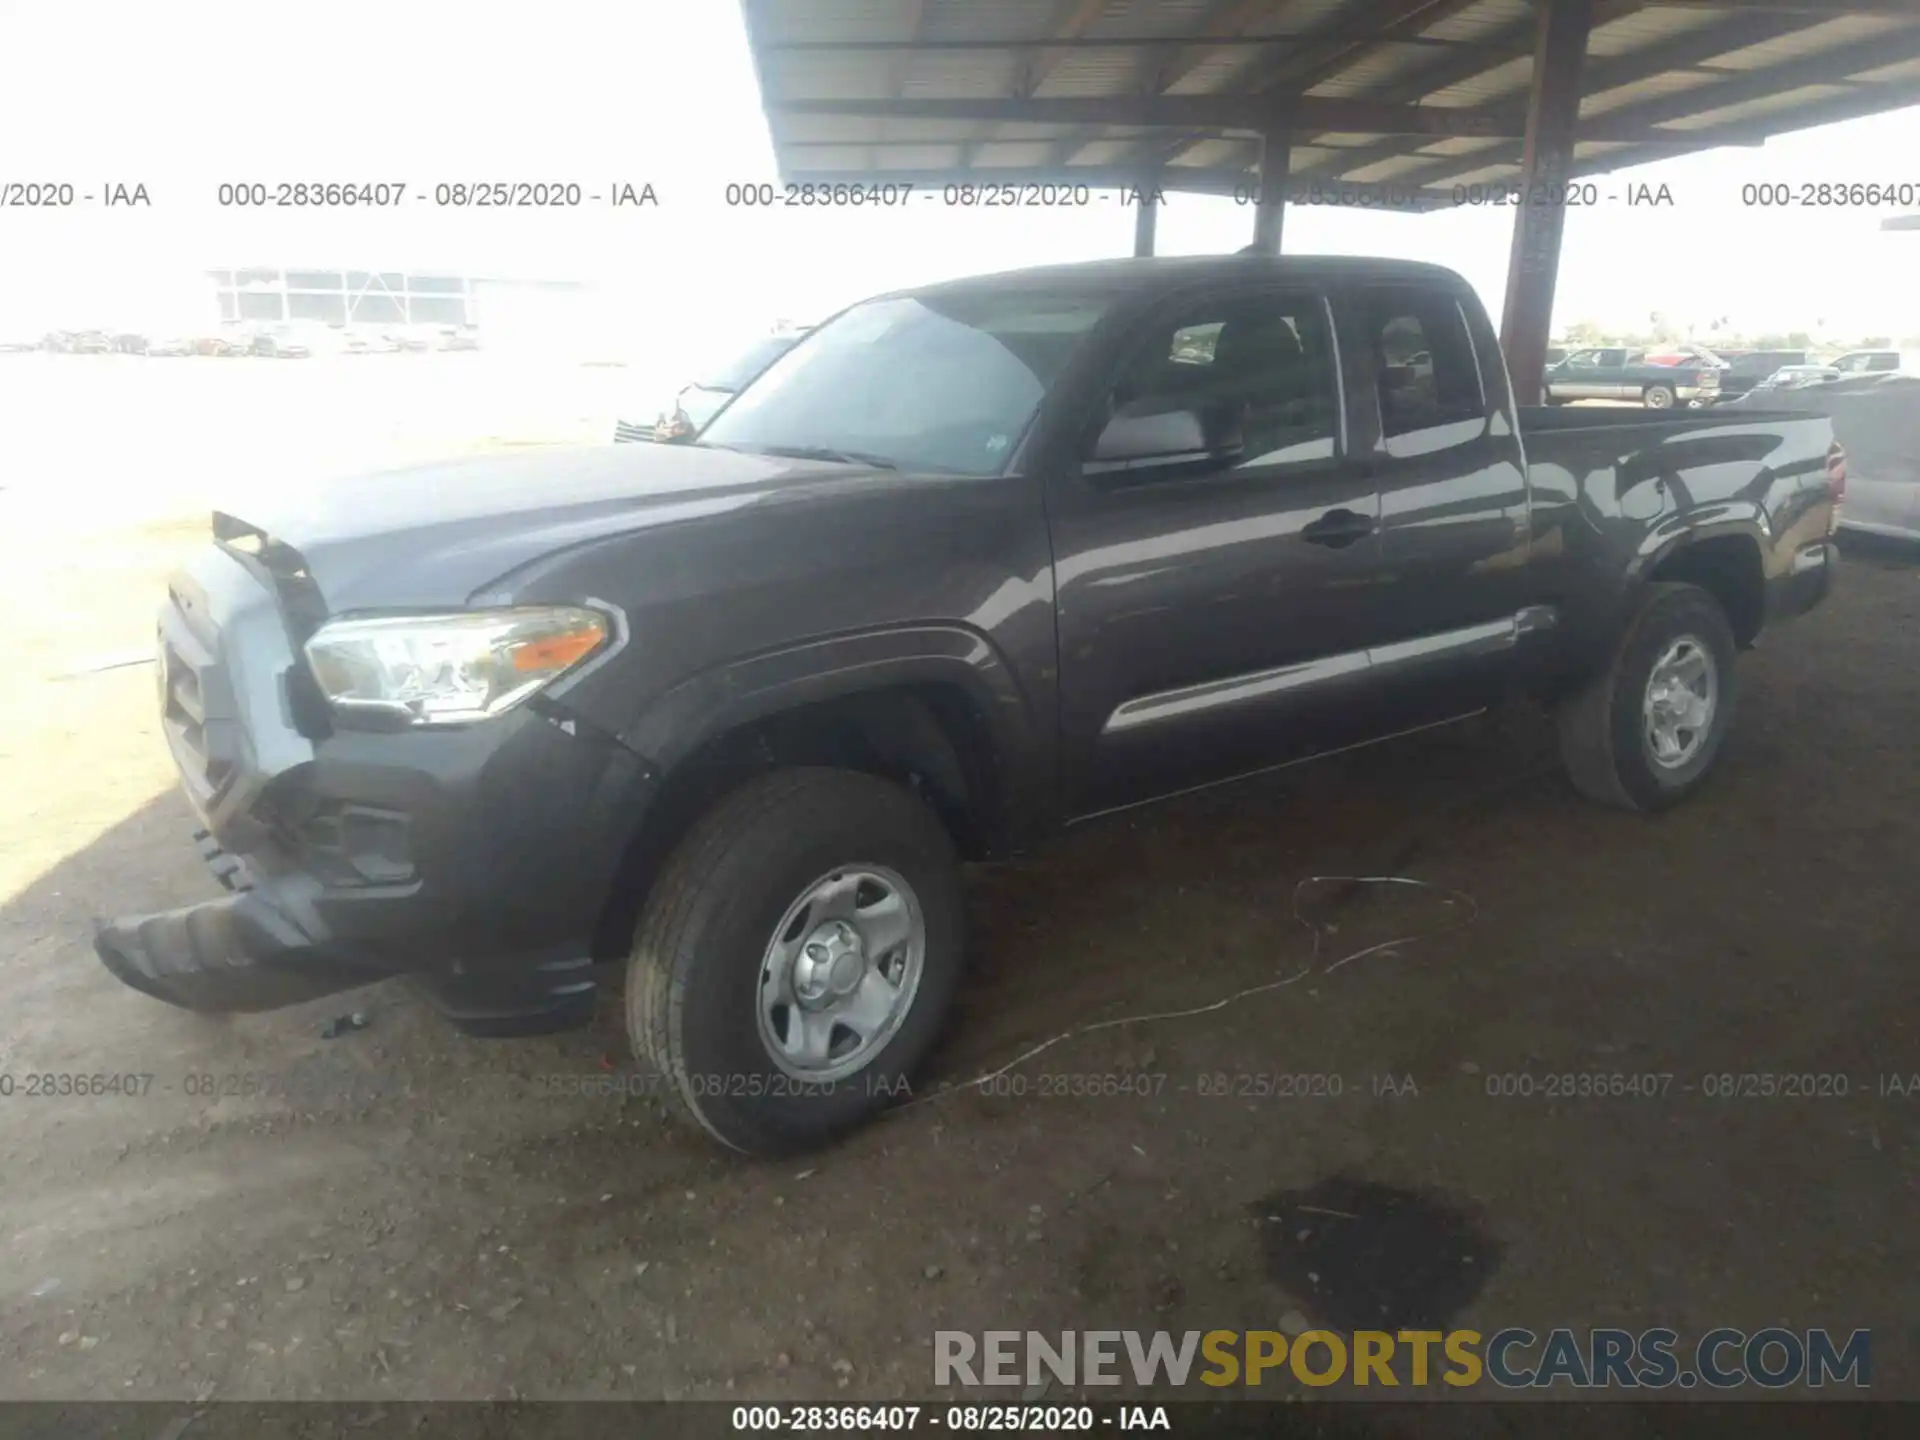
x=1059, y=600
x=1120, y=636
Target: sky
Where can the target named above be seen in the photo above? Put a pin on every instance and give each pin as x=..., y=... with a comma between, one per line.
x=185, y=95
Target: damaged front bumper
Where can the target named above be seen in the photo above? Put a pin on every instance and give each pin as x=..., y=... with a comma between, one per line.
x=475, y=861
x=235, y=954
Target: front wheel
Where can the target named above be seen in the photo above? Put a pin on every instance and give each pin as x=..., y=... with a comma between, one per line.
x=1643, y=734
x=796, y=958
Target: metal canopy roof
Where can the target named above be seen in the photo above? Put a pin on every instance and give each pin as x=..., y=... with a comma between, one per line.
x=1396, y=101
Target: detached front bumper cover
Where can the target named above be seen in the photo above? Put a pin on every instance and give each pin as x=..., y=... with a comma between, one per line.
x=233, y=954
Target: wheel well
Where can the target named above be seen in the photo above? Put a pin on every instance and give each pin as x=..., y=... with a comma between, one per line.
x=1728, y=568
x=930, y=738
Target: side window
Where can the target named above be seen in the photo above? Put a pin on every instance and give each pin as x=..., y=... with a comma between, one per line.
x=1584, y=359
x=1883, y=362
x=1428, y=375
x=1194, y=344
x=1257, y=369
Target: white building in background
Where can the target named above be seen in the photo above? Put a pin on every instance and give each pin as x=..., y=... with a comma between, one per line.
x=513, y=313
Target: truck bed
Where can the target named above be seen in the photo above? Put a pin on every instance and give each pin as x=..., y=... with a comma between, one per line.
x=1613, y=490
x=1537, y=419
x=1592, y=437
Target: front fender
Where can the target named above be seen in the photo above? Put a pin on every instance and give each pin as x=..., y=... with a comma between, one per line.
x=706, y=706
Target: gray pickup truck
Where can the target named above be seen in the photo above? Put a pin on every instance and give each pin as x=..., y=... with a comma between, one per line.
x=969, y=564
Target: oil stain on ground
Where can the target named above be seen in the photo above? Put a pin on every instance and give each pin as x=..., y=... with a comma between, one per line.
x=1363, y=1256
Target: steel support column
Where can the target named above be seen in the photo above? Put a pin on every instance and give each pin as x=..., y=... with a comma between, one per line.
x=1146, y=216
x=1270, y=207
x=1533, y=265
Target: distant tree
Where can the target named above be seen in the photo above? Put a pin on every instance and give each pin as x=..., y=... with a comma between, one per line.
x=1877, y=342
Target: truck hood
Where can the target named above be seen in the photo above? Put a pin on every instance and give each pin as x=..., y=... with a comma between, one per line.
x=436, y=534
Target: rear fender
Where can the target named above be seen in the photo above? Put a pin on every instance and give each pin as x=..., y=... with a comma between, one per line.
x=1675, y=532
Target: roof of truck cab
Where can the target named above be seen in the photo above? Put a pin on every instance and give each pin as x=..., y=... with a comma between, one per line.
x=1157, y=273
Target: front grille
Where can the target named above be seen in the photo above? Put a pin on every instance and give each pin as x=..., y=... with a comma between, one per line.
x=626, y=430
x=193, y=694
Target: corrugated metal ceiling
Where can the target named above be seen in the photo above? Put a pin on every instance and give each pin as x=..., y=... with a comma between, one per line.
x=1686, y=68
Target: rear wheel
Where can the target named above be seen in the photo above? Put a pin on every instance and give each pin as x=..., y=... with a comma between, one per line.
x=1657, y=397
x=797, y=957
x=1643, y=734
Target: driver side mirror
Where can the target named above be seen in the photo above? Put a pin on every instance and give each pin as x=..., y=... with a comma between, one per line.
x=1167, y=442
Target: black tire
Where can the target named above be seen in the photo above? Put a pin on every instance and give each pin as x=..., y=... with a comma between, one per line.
x=1603, y=743
x=693, y=979
x=1665, y=394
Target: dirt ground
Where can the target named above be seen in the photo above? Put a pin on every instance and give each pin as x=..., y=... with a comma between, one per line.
x=426, y=1216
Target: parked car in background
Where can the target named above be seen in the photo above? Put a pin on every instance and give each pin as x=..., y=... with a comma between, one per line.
x=278, y=342
x=1684, y=355
x=973, y=563
x=1876, y=417
x=700, y=401
x=1876, y=362
x=1750, y=367
x=169, y=346
x=233, y=340
x=457, y=337
x=78, y=342
x=127, y=343
x=1614, y=373
x=1794, y=377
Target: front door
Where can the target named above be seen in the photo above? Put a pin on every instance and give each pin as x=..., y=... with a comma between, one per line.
x=1212, y=620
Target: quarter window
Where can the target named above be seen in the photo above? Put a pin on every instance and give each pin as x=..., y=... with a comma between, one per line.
x=1427, y=375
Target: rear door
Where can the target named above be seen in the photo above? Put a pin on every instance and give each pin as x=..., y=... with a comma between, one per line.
x=1451, y=600
x=1617, y=375
x=1214, y=621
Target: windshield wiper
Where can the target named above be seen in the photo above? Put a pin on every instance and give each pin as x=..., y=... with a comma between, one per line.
x=827, y=452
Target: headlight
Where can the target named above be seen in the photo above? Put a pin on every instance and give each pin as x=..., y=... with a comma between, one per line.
x=450, y=669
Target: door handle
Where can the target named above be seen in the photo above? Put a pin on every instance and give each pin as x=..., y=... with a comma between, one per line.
x=1338, y=528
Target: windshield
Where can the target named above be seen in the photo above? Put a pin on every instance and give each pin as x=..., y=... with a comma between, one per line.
x=739, y=372
x=944, y=382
